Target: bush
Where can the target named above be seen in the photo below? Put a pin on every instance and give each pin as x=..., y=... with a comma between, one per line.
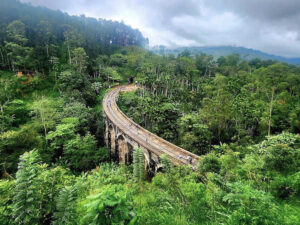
x=209, y=163
x=110, y=206
x=284, y=186
x=250, y=206
x=282, y=158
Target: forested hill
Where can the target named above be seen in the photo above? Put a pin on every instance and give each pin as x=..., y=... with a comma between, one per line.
x=218, y=51
x=47, y=30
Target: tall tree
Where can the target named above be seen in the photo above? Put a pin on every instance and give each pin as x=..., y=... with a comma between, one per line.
x=44, y=31
x=72, y=39
x=18, y=53
x=79, y=58
x=45, y=112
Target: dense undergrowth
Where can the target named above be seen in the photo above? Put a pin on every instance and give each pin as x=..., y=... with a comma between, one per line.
x=226, y=189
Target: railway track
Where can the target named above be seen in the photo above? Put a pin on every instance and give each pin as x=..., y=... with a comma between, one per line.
x=143, y=137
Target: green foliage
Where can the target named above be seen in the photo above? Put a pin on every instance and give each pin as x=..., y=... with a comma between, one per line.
x=78, y=152
x=26, y=200
x=193, y=134
x=79, y=110
x=36, y=190
x=18, y=111
x=117, y=60
x=17, y=52
x=81, y=153
x=66, y=206
x=281, y=152
x=209, y=163
x=250, y=206
x=138, y=164
x=108, y=195
x=110, y=206
x=63, y=133
x=80, y=59
x=6, y=207
x=15, y=143
x=76, y=86
x=46, y=113
x=153, y=113
x=166, y=163
x=52, y=181
x=33, y=40
x=282, y=158
x=110, y=74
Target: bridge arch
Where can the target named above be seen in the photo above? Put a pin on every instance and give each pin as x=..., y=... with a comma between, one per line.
x=129, y=159
x=112, y=143
x=122, y=149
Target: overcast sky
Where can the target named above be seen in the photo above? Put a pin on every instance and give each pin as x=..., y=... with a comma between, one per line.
x=272, y=26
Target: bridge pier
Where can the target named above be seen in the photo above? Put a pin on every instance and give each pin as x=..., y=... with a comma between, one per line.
x=121, y=147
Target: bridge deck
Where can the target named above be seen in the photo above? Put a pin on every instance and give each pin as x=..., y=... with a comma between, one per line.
x=142, y=136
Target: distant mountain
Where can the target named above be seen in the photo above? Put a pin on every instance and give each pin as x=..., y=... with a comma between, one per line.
x=218, y=51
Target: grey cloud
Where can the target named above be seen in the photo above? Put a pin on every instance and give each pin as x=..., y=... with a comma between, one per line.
x=263, y=9
x=268, y=25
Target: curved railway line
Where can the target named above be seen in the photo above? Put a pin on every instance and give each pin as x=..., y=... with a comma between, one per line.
x=142, y=136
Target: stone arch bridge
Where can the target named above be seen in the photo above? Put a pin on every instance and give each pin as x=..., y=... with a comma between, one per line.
x=122, y=135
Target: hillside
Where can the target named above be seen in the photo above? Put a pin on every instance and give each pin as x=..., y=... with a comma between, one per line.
x=50, y=32
x=218, y=51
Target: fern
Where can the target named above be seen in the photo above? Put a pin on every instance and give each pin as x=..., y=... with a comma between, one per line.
x=138, y=164
x=26, y=199
x=110, y=206
x=66, y=206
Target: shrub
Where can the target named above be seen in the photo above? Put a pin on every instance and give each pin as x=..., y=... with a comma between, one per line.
x=209, y=163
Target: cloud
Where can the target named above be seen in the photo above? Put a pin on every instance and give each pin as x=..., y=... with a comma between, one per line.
x=268, y=25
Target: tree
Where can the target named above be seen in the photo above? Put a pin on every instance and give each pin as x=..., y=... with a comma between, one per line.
x=46, y=113
x=270, y=79
x=80, y=59
x=185, y=53
x=193, y=134
x=205, y=64
x=81, y=153
x=18, y=110
x=16, y=32
x=51, y=181
x=63, y=133
x=166, y=163
x=17, y=52
x=98, y=64
x=15, y=143
x=45, y=35
x=72, y=39
x=217, y=112
x=84, y=114
x=209, y=163
x=117, y=60
x=110, y=74
x=76, y=86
